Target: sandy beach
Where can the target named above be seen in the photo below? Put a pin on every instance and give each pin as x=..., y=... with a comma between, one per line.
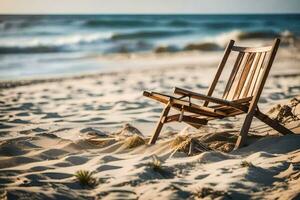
x=100, y=122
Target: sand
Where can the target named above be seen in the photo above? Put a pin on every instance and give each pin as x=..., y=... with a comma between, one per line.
x=51, y=128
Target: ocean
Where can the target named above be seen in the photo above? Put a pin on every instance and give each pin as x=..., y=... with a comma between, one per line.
x=43, y=45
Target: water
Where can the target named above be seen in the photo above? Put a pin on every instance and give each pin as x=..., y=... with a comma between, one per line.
x=63, y=44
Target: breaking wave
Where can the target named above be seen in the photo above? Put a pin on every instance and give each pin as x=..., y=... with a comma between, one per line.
x=28, y=50
x=49, y=44
x=118, y=23
x=220, y=41
x=148, y=34
x=128, y=41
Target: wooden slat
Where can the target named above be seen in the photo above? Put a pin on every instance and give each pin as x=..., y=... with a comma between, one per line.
x=259, y=74
x=251, y=49
x=237, y=76
x=182, y=104
x=208, y=98
x=242, y=101
x=226, y=109
x=234, y=113
x=233, y=73
x=162, y=99
x=256, y=74
x=220, y=69
x=174, y=118
x=186, y=118
x=230, y=111
x=199, y=110
x=243, y=76
x=160, y=123
x=250, y=76
x=241, y=141
x=272, y=123
x=194, y=120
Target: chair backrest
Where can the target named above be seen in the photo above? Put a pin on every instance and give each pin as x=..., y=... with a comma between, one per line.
x=249, y=72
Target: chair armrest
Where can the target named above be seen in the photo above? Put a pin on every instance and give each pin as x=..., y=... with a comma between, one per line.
x=210, y=99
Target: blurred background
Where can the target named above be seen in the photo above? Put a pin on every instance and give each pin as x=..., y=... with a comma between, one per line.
x=37, y=45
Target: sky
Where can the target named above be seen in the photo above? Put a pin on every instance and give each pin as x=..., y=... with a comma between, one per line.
x=147, y=6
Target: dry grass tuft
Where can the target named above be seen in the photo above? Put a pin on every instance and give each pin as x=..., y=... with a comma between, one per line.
x=294, y=102
x=274, y=109
x=245, y=163
x=134, y=141
x=222, y=146
x=205, y=192
x=156, y=164
x=128, y=130
x=178, y=141
x=285, y=113
x=85, y=178
x=181, y=143
x=188, y=145
x=100, y=142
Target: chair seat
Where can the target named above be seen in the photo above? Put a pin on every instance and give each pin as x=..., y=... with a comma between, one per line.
x=210, y=112
x=230, y=111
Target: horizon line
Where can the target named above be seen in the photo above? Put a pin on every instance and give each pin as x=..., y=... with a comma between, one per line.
x=250, y=13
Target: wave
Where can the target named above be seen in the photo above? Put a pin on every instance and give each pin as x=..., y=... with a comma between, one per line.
x=179, y=23
x=129, y=41
x=204, y=46
x=129, y=47
x=227, y=24
x=258, y=35
x=8, y=25
x=222, y=39
x=164, y=49
x=219, y=42
x=28, y=50
x=49, y=44
x=210, y=24
x=118, y=23
x=147, y=34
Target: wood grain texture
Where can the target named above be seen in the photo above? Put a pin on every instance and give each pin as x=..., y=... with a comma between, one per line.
x=243, y=77
x=241, y=94
x=249, y=79
x=242, y=139
x=220, y=69
x=251, y=49
x=233, y=74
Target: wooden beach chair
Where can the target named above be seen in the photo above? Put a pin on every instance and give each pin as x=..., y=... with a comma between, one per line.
x=241, y=94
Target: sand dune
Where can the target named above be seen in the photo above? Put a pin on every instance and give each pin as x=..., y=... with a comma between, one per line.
x=44, y=166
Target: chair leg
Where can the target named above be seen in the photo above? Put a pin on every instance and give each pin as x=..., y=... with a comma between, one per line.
x=272, y=123
x=242, y=139
x=160, y=123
